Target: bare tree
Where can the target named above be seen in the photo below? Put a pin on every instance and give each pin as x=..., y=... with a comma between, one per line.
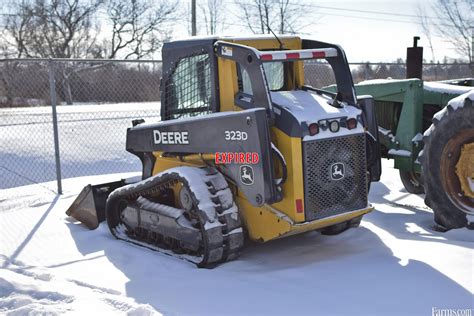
x=257, y=15
x=456, y=24
x=139, y=27
x=71, y=29
x=16, y=28
x=288, y=16
x=426, y=29
x=211, y=10
x=263, y=16
x=52, y=28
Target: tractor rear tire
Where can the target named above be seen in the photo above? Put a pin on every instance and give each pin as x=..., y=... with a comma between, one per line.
x=452, y=128
x=412, y=181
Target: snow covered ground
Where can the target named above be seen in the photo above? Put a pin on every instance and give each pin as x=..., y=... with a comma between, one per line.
x=393, y=264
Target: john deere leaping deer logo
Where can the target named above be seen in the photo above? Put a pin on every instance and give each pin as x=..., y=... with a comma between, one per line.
x=246, y=174
x=337, y=171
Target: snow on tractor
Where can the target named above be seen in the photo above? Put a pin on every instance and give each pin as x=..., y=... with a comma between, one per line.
x=244, y=148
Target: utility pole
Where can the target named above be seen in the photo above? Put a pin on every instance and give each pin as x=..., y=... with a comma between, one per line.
x=193, y=17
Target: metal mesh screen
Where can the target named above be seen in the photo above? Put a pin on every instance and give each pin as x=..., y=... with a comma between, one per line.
x=188, y=89
x=325, y=196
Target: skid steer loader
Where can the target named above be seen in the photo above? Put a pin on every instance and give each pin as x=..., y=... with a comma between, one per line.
x=243, y=148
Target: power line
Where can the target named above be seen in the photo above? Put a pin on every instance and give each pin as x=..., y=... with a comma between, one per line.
x=370, y=12
x=324, y=13
x=337, y=9
x=103, y=17
x=379, y=19
x=365, y=17
x=354, y=10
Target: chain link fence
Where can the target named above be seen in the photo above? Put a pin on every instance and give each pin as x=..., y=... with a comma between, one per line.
x=96, y=102
x=319, y=74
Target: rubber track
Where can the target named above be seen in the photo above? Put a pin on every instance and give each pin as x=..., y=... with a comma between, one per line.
x=222, y=236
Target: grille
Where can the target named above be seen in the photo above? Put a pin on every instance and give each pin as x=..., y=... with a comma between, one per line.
x=326, y=193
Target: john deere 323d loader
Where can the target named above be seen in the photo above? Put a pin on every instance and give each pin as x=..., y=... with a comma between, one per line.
x=244, y=148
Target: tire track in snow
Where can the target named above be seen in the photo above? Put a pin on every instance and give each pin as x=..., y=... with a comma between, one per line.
x=20, y=293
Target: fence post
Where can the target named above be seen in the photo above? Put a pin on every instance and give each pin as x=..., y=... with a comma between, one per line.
x=52, y=91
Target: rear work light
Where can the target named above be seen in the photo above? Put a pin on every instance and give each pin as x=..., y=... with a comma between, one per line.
x=313, y=129
x=334, y=126
x=351, y=123
x=299, y=206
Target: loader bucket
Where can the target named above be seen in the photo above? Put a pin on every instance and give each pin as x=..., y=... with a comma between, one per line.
x=89, y=206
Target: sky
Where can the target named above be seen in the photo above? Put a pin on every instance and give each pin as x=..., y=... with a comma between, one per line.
x=368, y=30
x=366, y=39
x=375, y=37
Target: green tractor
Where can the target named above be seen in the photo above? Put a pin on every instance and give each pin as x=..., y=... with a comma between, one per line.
x=428, y=129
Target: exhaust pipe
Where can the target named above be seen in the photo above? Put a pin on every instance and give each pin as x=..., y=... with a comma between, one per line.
x=415, y=60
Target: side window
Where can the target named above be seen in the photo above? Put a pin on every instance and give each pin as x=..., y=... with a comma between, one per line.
x=188, y=89
x=274, y=72
x=246, y=84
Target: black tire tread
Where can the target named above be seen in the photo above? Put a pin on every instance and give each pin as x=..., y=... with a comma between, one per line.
x=446, y=214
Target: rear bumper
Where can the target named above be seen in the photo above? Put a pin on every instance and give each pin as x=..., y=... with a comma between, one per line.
x=278, y=224
x=327, y=221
